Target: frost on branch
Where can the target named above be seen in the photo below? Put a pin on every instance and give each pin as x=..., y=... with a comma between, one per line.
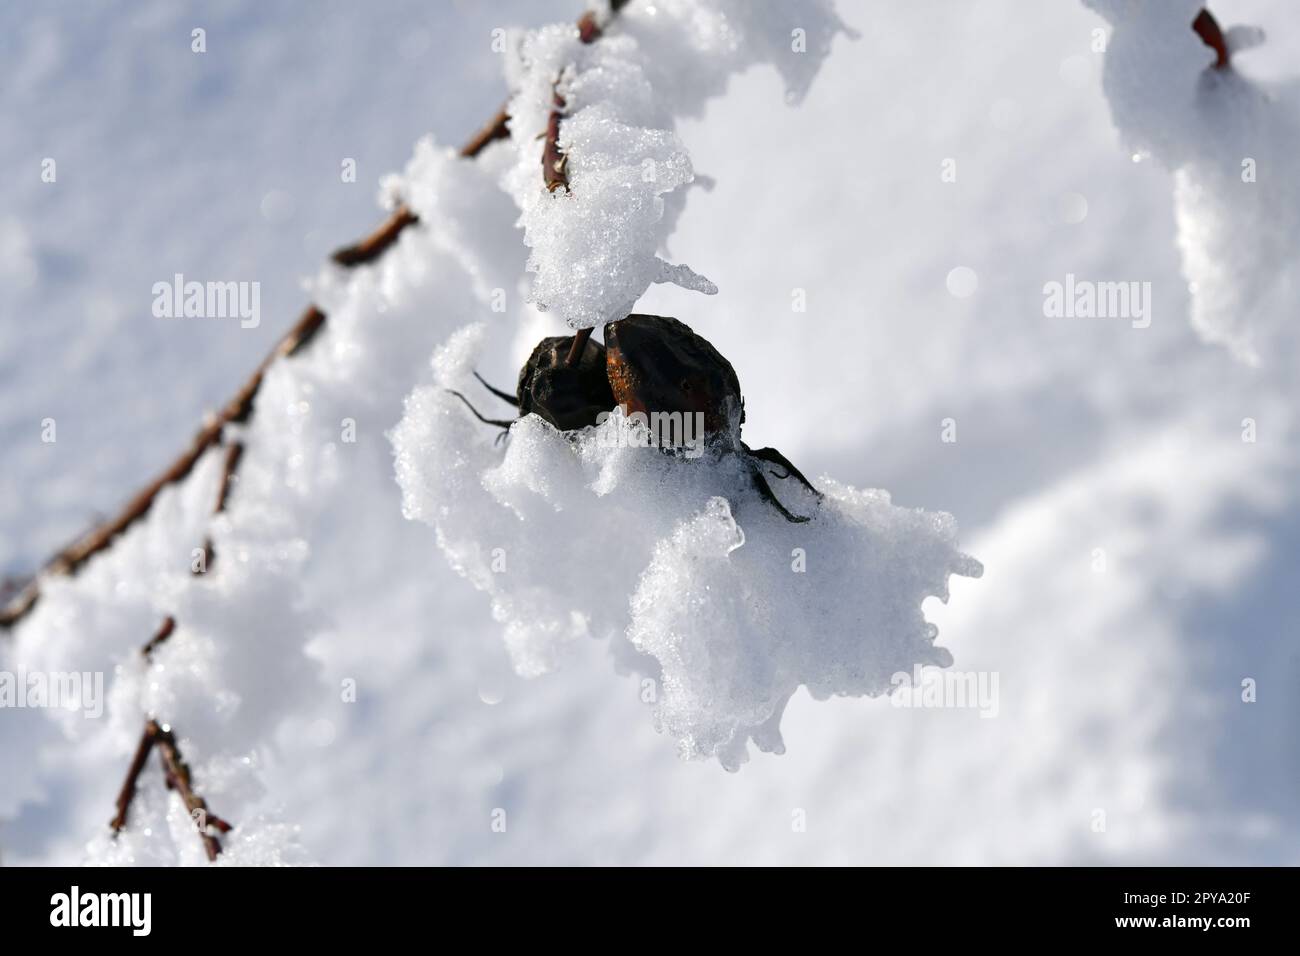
x=594, y=244
x=1227, y=139
x=229, y=673
x=696, y=580
x=595, y=241
x=235, y=678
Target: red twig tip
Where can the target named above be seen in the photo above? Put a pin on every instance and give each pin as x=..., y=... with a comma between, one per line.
x=1207, y=28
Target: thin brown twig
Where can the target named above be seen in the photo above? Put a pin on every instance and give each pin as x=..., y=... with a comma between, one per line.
x=234, y=453
x=578, y=347
x=498, y=127
x=376, y=244
x=237, y=410
x=176, y=772
x=176, y=776
x=164, y=631
x=555, y=162
x=127, y=793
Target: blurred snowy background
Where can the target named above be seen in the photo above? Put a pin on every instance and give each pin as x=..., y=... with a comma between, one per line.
x=1120, y=675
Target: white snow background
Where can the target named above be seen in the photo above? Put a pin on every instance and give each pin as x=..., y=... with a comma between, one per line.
x=1119, y=677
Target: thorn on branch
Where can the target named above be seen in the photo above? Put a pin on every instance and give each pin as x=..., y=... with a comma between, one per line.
x=176, y=776
x=554, y=162
x=233, y=456
x=164, y=631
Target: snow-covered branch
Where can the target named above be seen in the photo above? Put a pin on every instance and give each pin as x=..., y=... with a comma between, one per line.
x=698, y=582
x=1225, y=138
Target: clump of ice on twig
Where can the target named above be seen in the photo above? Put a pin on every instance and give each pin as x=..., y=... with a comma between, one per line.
x=595, y=245
x=1228, y=140
x=697, y=581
